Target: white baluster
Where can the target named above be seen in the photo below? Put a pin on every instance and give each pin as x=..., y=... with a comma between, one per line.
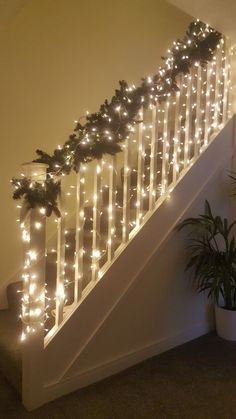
x=111, y=208
x=79, y=236
x=176, y=135
x=126, y=192
x=217, y=87
x=96, y=252
x=153, y=159
x=188, y=121
x=230, y=88
x=226, y=82
x=140, y=171
x=60, y=284
x=225, y=95
x=208, y=104
x=197, y=142
x=165, y=152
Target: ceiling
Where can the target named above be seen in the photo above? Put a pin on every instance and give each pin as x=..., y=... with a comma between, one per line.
x=220, y=14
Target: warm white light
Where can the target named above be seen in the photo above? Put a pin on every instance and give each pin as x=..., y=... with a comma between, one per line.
x=96, y=253
x=38, y=225
x=32, y=254
x=32, y=288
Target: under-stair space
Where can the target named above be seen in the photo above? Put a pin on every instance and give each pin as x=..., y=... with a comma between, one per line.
x=10, y=332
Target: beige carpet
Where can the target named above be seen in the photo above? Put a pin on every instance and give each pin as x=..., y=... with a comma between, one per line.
x=194, y=381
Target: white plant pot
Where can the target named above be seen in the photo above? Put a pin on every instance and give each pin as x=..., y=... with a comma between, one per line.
x=225, y=323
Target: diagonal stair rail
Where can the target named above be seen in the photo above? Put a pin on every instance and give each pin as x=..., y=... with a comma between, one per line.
x=106, y=203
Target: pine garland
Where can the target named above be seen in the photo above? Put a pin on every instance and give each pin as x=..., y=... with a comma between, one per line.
x=36, y=194
x=104, y=130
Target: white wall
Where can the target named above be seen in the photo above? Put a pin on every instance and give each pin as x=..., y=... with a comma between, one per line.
x=58, y=59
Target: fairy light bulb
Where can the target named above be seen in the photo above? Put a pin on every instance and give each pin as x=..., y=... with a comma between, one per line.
x=38, y=225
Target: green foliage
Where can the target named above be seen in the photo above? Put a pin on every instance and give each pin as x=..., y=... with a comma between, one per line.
x=104, y=130
x=38, y=194
x=212, y=256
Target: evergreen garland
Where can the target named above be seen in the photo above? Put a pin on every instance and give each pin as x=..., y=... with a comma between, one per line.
x=104, y=130
x=42, y=195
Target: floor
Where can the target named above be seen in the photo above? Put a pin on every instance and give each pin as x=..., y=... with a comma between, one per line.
x=194, y=381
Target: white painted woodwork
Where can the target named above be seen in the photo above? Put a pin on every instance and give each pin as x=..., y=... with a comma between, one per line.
x=111, y=208
x=126, y=192
x=60, y=284
x=79, y=233
x=140, y=169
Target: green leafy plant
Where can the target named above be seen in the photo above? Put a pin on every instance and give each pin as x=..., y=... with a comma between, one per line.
x=212, y=256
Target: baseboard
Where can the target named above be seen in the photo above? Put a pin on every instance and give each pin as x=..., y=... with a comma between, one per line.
x=114, y=366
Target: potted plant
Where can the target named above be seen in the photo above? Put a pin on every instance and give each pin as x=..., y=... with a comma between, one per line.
x=212, y=260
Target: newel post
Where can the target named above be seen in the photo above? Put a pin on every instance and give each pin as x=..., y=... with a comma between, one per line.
x=33, y=228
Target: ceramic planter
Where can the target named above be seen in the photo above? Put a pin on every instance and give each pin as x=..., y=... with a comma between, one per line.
x=225, y=323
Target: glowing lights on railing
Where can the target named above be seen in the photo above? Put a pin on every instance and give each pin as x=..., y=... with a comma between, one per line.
x=96, y=253
x=38, y=225
x=60, y=293
x=25, y=236
x=203, y=101
x=32, y=289
x=32, y=254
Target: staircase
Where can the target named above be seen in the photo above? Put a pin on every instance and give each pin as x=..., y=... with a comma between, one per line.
x=79, y=267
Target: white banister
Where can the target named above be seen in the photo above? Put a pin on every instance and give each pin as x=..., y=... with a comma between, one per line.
x=174, y=133
x=207, y=126
x=225, y=84
x=60, y=282
x=111, y=208
x=198, y=120
x=79, y=233
x=188, y=121
x=218, y=59
x=153, y=158
x=96, y=252
x=176, y=138
x=225, y=88
x=33, y=296
x=126, y=192
x=140, y=170
x=165, y=151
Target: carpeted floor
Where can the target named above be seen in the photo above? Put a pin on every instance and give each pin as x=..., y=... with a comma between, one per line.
x=194, y=381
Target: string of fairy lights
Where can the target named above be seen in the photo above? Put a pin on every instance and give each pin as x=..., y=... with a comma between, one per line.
x=170, y=120
x=105, y=130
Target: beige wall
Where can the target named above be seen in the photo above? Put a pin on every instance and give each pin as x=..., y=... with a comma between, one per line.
x=58, y=59
x=221, y=15
x=218, y=13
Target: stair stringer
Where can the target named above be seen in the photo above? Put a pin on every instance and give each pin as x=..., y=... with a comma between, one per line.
x=71, y=338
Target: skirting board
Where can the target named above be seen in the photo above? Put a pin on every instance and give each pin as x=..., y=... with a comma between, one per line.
x=123, y=362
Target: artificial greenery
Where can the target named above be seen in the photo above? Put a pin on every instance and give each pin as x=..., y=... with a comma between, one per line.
x=38, y=194
x=104, y=130
x=212, y=256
